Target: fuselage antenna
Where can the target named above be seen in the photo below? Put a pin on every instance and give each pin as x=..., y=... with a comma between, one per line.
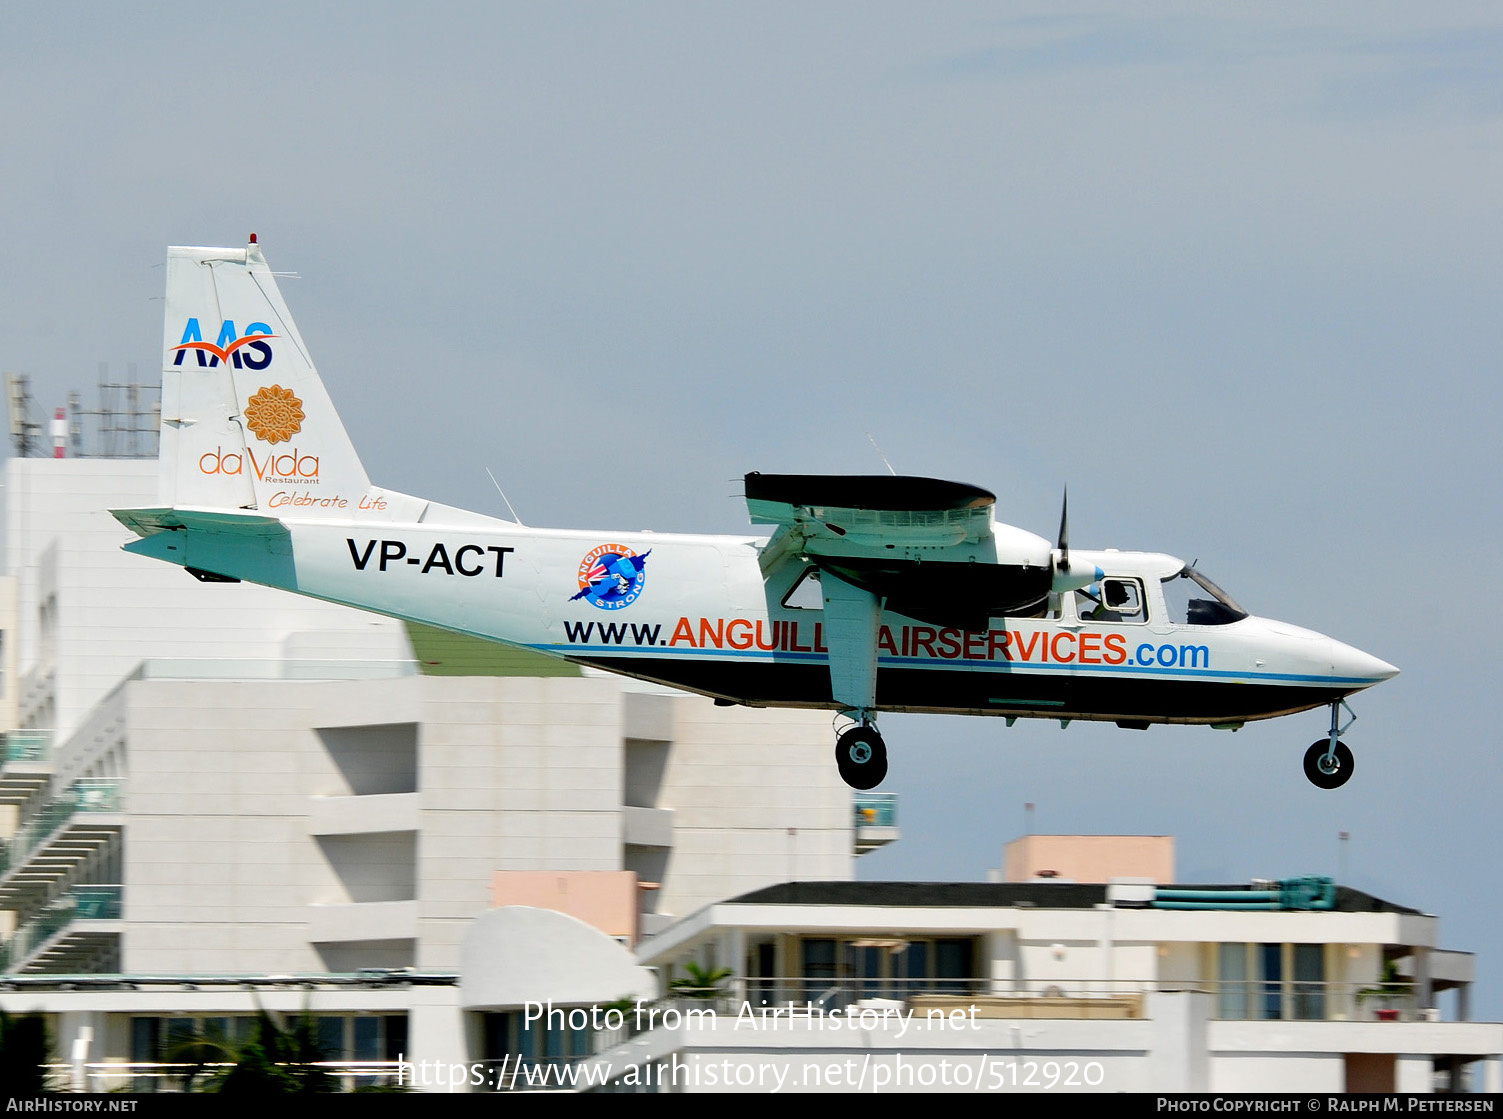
x=880, y=455
x=502, y=492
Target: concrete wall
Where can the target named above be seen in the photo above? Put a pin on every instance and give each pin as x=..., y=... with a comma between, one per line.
x=755, y=796
x=225, y=866
x=108, y=610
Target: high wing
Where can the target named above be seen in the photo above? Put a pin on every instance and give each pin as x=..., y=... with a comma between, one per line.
x=924, y=548
x=921, y=547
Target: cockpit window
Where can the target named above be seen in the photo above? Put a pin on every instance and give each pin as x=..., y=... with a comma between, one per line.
x=1111, y=600
x=1194, y=600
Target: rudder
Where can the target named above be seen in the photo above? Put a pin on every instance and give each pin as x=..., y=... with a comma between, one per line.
x=246, y=420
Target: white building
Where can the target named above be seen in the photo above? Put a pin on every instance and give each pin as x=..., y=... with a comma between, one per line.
x=1048, y=984
x=215, y=781
x=86, y=614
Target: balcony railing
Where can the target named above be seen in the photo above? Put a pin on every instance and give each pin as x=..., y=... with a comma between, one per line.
x=1303, y=1000
x=84, y=795
x=81, y=903
x=98, y=794
x=26, y=746
x=812, y=996
x=876, y=810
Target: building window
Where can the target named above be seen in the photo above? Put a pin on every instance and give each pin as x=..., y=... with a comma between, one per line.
x=818, y=957
x=509, y=1037
x=1310, y=981
x=1271, y=986
x=341, y=1038
x=834, y=972
x=1271, y=982
x=952, y=965
x=1231, y=986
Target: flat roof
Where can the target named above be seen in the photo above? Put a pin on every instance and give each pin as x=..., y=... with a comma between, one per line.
x=1000, y=895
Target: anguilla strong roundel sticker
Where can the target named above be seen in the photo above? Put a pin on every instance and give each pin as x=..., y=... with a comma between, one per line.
x=611, y=576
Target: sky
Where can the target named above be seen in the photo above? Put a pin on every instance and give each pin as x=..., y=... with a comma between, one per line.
x=1229, y=273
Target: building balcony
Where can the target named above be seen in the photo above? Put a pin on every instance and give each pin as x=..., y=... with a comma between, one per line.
x=876, y=820
x=64, y=834
x=67, y=934
x=369, y=920
x=1083, y=998
x=26, y=745
x=357, y=815
x=1126, y=1029
x=647, y=827
x=25, y=765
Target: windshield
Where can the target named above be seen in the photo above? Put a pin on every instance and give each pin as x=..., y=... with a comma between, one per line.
x=1194, y=600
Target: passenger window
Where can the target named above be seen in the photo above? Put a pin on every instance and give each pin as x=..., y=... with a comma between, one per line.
x=806, y=594
x=1111, y=600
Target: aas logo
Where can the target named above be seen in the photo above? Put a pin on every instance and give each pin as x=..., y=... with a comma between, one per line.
x=248, y=351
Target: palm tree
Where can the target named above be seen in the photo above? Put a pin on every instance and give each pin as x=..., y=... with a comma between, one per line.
x=701, y=983
x=277, y=1060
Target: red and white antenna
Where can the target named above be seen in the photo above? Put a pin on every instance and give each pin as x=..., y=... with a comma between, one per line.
x=60, y=433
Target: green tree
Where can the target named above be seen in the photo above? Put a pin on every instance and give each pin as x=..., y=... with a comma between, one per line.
x=700, y=983
x=278, y=1059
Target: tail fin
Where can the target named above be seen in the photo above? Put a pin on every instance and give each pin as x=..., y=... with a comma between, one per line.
x=246, y=421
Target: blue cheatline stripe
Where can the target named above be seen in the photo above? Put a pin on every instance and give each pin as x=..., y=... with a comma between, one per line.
x=646, y=652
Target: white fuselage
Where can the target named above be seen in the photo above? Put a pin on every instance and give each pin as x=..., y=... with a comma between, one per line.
x=698, y=612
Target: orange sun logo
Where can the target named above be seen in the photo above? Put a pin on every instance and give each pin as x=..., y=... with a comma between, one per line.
x=274, y=414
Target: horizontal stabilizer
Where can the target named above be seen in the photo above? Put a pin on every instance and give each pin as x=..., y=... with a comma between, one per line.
x=216, y=543
x=149, y=522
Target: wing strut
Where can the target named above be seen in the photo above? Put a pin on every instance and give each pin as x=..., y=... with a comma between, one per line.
x=850, y=627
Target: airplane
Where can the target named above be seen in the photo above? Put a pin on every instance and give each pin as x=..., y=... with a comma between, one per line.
x=872, y=594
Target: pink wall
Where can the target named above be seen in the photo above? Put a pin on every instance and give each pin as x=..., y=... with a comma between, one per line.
x=606, y=899
x=1091, y=858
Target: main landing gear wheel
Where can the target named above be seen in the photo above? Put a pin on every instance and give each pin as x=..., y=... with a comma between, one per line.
x=1316, y=765
x=861, y=756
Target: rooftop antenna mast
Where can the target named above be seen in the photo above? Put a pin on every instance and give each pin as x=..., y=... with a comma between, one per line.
x=25, y=432
x=75, y=426
x=127, y=418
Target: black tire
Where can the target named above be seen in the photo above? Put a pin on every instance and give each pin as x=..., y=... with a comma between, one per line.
x=861, y=757
x=1319, y=777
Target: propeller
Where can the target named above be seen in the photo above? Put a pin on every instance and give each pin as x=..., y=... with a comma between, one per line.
x=1064, y=530
x=1066, y=576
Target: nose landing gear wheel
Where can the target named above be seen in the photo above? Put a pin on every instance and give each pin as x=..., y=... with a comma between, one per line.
x=1315, y=765
x=861, y=756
